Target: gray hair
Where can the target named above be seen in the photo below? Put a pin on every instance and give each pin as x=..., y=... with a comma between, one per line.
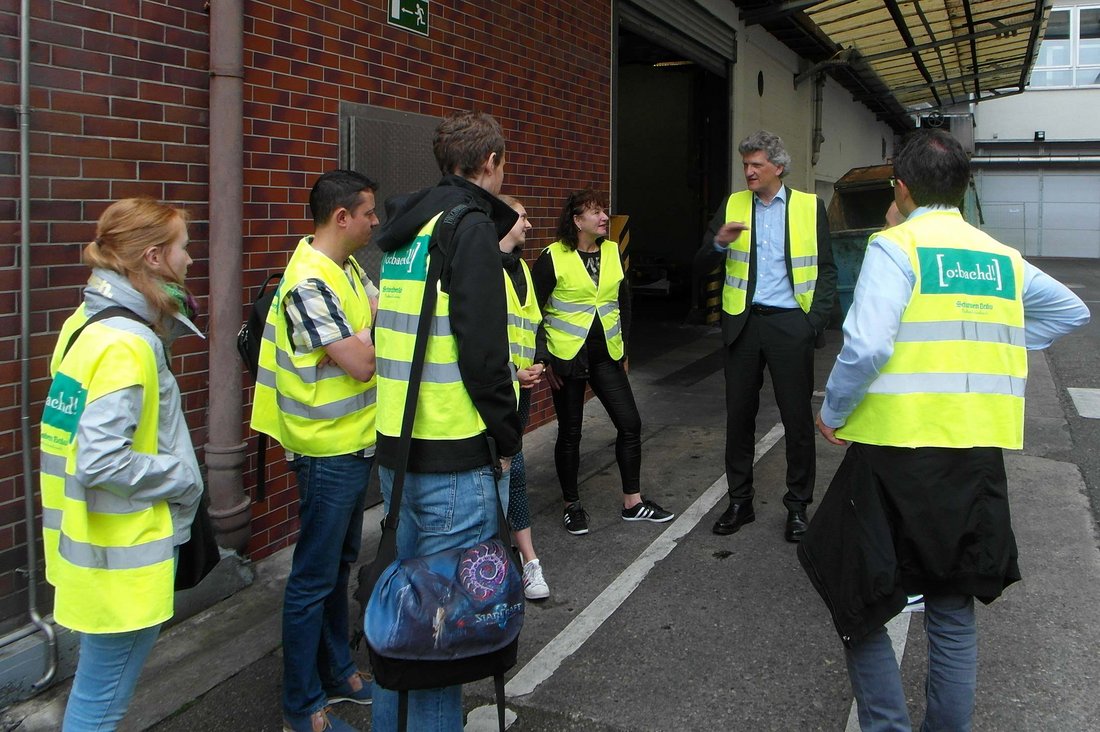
x=771, y=145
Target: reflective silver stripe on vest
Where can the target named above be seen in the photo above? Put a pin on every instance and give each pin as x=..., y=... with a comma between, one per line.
x=948, y=384
x=269, y=331
x=435, y=373
x=518, y=321
x=607, y=309
x=266, y=377
x=737, y=255
x=807, y=261
x=614, y=330
x=568, y=307
x=98, y=500
x=90, y=556
x=514, y=371
x=332, y=410
x=961, y=330
x=558, y=324
x=522, y=351
x=802, y=287
x=308, y=374
x=51, y=518
x=406, y=323
x=53, y=464
x=737, y=283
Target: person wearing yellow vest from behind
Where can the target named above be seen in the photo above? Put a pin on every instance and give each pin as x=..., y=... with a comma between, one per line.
x=779, y=291
x=523, y=322
x=928, y=390
x=585, y=301
x=467, y=401
x=315, y=394
x=120, y=481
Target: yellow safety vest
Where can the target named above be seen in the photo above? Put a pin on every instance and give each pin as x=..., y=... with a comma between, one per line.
x=444, y=410
x=576, y=300
x=523, y=322
x=78, y=318
x=314, y=410
x=113, y=567
x=957, y=374
x=802, y=248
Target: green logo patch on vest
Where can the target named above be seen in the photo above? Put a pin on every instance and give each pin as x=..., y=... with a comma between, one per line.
x=966, y=272
x=64, y=405
x=407, y=263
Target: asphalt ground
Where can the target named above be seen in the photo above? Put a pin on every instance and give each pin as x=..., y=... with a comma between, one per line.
x=670, y=627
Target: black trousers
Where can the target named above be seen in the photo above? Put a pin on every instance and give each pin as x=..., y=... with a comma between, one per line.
x=784, y=342
x=610, y=385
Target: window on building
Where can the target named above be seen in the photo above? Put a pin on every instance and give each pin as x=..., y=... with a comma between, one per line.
x=1088, y=47
x=1069, y=55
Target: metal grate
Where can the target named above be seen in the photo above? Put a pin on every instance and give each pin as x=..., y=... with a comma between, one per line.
x=395, y=149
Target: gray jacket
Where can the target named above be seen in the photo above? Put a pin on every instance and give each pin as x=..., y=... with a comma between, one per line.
x=105, y=459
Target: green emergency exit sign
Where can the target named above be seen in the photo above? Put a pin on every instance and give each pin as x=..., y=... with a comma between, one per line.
x=410, y=15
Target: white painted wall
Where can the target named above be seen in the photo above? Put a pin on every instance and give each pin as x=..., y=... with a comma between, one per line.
x=1064, y=114
x=853, y=137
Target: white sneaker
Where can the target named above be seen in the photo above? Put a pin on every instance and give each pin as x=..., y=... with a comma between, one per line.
x=914, y=604
x=534, y=585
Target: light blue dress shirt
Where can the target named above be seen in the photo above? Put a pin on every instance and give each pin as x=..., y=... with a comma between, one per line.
x=773, y=285
x=882, y=293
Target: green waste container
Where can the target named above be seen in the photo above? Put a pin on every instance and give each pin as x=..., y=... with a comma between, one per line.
x=857, y=210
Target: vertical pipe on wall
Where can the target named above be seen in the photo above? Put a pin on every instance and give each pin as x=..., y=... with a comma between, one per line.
x=230, y=507
x=819, y=103
x=36, y=621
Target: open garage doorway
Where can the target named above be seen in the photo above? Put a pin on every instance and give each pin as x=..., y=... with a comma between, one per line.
x=670, y=165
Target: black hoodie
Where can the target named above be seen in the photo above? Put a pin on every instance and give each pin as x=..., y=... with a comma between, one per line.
x=471, y=276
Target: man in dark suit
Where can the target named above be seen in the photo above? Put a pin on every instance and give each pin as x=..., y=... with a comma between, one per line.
x=777, y=297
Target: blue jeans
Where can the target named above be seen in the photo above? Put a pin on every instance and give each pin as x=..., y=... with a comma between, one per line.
x=952, y=671
x=106, y=676
x=316, y=650
x=438, y=511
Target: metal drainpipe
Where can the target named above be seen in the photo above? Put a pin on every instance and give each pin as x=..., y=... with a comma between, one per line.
x=230, y=507
x=819, y=103
x=36, y=621
x=1035, y=159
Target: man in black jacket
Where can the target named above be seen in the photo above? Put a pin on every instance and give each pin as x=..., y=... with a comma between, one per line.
x=779, y=290
x=466, y=411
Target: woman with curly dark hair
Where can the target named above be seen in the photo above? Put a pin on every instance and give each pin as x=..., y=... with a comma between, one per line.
x=585, y=301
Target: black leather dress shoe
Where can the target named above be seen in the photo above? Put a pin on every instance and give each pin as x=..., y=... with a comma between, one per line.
x=734, y=517
x=796, y=525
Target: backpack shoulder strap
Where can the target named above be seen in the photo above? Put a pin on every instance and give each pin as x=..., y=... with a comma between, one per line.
x=440, y=243
x=114, y=311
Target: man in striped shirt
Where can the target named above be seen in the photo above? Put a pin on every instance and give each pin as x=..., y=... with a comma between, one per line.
x=315, y=394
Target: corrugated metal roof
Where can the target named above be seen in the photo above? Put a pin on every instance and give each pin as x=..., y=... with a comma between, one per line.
x=901, y=57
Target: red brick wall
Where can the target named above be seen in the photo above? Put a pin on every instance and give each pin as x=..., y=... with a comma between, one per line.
x=505, y=58
x=119, y=100
x=118, y=108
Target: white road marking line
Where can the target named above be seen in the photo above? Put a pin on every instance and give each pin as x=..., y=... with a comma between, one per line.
x=898, y=630
x=1087, y=401
x=573, y=636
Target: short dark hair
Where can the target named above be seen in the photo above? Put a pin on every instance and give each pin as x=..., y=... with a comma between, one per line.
x=577, y=203
x=934, y=167
x=337, y=189
x=465, y=140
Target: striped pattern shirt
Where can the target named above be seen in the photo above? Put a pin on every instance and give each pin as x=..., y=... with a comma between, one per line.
x=314, y=316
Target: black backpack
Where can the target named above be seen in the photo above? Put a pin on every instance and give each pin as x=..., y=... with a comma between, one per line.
x=249, y=338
